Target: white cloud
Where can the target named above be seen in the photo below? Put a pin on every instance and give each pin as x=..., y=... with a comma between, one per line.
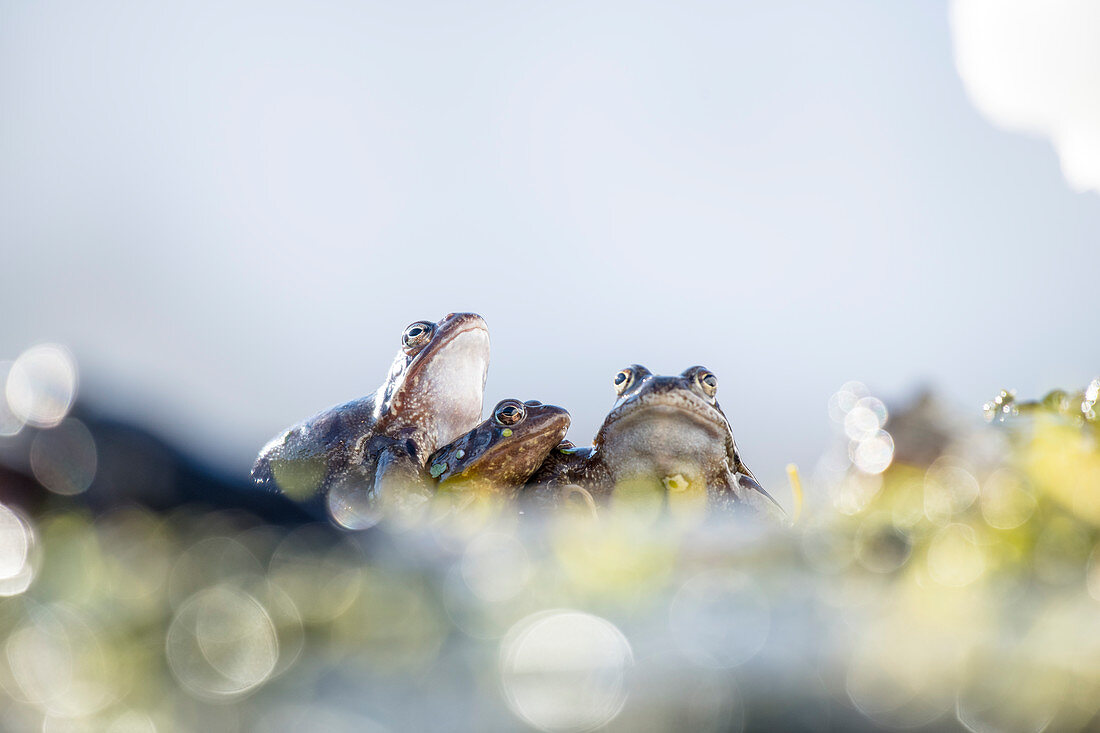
x=1034, y=66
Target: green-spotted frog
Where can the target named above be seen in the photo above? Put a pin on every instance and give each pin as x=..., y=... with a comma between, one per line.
x=432, y=395
x=664, y=434
x=499, y=455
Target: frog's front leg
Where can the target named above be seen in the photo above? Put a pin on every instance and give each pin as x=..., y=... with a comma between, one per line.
x=566, y=466
x=400, y=485
x=748, y=492
x=382, y=477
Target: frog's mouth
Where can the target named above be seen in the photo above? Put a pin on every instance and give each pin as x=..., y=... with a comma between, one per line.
x=444, y=386
x=665, y=433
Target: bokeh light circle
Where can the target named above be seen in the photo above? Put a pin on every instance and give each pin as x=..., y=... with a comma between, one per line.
x=15, y=543
x=853, y=492
x=865, y=418
x=874, y=453
x=57, y=662
x=222, y=643
x=41, y=385
x=63, y=458
x=844, y=399
x=949, y=489
x=565, y=670
x=352, y=507
x=10, y=423
x=17, y=551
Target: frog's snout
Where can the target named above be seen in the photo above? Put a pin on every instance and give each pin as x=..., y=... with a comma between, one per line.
x=262, y=475
x=464, y=320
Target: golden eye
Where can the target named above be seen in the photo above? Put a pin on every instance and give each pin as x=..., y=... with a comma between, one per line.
x=623, y=380
x=417, y=335
x=509, y=412
x=708, y=382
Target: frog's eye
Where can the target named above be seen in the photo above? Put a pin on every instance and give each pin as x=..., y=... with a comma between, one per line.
x=509, y=412
x=623, y=380
x=708, y=383
x=417, y=335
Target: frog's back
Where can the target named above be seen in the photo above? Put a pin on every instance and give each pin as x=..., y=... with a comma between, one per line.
x=326, y=440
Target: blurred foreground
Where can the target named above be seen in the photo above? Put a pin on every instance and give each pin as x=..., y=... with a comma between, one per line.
x=943, y=574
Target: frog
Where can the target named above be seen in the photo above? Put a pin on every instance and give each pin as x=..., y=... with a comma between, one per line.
x=497, y=456
x=379, y=443
x=663, y=433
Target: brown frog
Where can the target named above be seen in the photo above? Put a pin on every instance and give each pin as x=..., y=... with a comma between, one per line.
x=664, y=434
x=499, y=455
x=379, y=443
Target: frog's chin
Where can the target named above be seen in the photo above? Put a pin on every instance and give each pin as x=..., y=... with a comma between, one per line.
x=662, y=440
x=443, y=395
x=456, y=380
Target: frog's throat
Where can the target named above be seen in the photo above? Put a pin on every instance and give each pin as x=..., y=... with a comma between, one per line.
x=441, y=394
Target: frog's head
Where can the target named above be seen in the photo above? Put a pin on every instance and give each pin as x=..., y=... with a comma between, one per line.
x=666, y=426
x=501, y=453
x=437, y=380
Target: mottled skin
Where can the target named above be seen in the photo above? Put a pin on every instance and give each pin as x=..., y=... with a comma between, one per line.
x=499, y=455
x=663, y=432
x=432, y=395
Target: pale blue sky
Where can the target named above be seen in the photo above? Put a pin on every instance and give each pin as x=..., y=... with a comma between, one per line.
x=230, y=211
